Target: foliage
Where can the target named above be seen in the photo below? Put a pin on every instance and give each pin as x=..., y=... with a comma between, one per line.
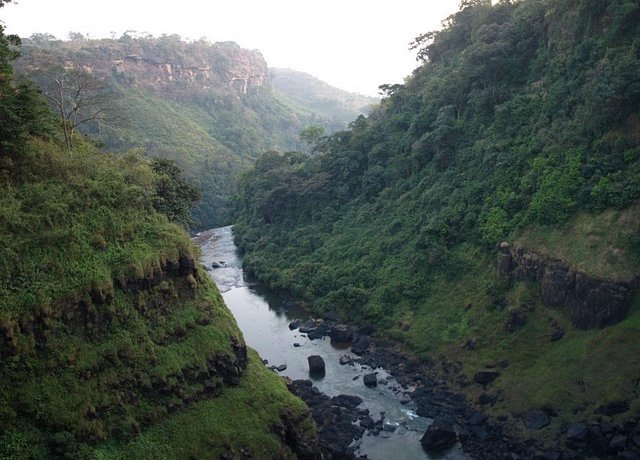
x=22, y=111
x=520, y=123
x=173, y=196
x=105, y=341
x=195, y=113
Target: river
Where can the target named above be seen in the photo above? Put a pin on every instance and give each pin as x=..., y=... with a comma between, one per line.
x=264, y=320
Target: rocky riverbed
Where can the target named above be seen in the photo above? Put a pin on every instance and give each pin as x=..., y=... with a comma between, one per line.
x=404, y=400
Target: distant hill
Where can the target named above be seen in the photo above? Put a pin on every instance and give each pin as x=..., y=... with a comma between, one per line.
x=320, y=97
x=210, y=106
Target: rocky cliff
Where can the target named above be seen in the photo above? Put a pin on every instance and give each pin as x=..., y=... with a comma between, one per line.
x=590, y=302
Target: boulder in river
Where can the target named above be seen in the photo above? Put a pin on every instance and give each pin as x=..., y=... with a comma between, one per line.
x=439, y=436
x=349, y=401
x=370, y=380
x=308, y=326
x=295, y=324
x=341, y=333
x=316, y=365
x=345, y=359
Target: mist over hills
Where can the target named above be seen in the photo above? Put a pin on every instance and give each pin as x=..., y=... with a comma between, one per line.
x=213, y=107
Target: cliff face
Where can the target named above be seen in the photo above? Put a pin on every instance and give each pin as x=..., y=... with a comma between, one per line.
x=590, y=302
x=170, y=65
x=234, y=68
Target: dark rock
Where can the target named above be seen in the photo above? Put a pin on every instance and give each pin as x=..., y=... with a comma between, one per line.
x=439, y=436
x=361, y=345
x=295, y=324
x=215, y=265
x=590, y=302
x=316, y=334
x=597, y=303
x=577, y=432
x=334, y=418
x=370, y=380
x=367, y=422
x=389, y=427
x=628, y=455
x=316, y=365
x=614, y=408
x=477, y=418
x=366, y=329
x=296, y=345
x=505, y=261
x=341, y=333
x=281, y=367
x=618, y=443
x=345, y=359
x=348, y=401
x=308, y=326
x=557, y=282
x=535, y=419
x=485, y=377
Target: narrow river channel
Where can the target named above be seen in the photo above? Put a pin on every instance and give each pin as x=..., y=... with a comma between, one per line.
x=264, y=320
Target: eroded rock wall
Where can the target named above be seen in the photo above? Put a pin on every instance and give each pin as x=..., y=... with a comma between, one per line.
x=590, y=302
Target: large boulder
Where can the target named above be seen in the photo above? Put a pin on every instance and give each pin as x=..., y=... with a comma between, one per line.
x=316, y=365
x=341, y=333
x=349, y=401
x=370, y=380
x=439, y=436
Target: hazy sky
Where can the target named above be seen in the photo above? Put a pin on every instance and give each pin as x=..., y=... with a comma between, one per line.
x=355, y=45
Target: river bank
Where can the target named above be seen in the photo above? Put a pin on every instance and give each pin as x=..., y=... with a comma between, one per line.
x=412, y=393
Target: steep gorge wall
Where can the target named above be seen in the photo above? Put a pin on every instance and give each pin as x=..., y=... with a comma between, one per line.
x=107, y=362
x=590, y=302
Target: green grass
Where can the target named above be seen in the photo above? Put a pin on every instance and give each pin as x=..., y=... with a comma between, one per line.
x=243, y=420
x=85, y=362
x=603, y=244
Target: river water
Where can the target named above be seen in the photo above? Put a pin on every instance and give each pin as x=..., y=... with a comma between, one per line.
x=264, y=320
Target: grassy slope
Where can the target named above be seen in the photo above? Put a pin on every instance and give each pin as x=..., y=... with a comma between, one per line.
x=86, y=363
x=198, y=432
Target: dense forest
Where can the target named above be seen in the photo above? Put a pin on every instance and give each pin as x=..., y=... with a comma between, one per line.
x=521, y=126
x=114, y=342
x=211, y=107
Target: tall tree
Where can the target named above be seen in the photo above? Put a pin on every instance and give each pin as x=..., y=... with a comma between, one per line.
x=77, y=97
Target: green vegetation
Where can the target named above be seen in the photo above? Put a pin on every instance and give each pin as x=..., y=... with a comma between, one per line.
x=521, y=124
x=197, y=432
x=111, y=337
x=210, y=107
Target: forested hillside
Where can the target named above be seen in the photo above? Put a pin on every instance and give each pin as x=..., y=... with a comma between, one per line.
x=521, y=126
x=114, y=342
x=209, y=106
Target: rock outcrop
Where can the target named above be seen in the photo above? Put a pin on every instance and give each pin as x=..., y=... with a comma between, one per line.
x=590, y=302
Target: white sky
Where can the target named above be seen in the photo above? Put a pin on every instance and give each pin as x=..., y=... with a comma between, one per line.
x=356, y=45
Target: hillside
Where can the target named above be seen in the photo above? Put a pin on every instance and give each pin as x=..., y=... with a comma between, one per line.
x=320, y=97
x=209, y=106
x=485, y=215
x=114, y=342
